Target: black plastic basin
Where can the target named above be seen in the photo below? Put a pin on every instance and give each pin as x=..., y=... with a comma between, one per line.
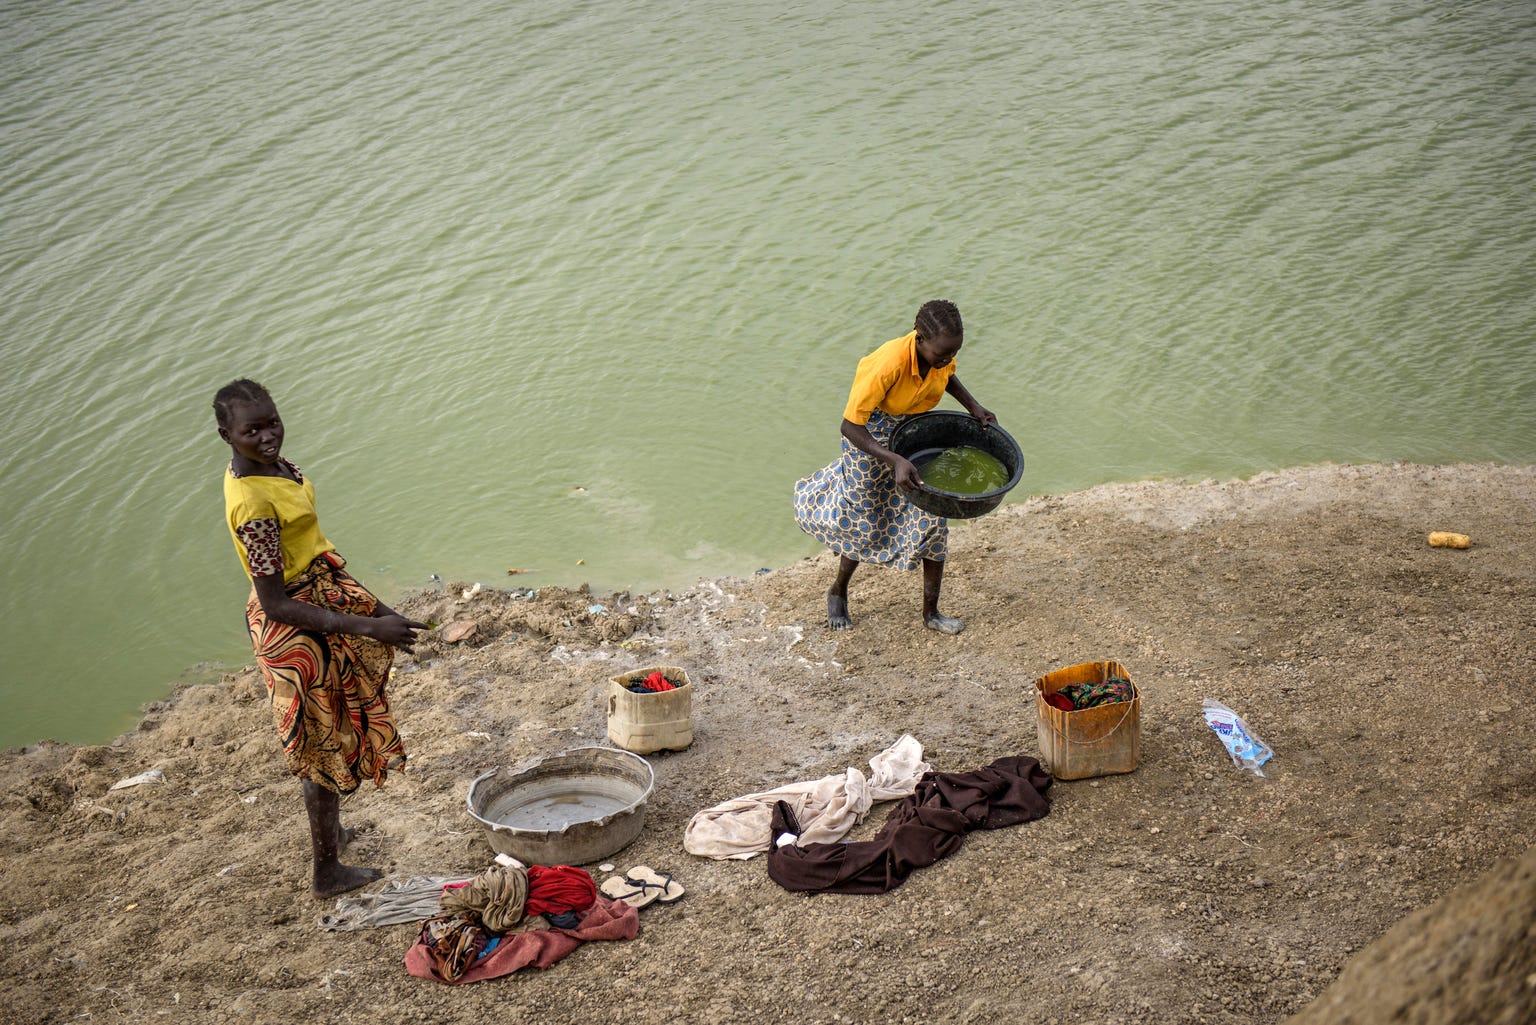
x=924, y=436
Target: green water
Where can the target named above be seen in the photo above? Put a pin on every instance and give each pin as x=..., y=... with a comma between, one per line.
x=964, y=471
x=580, y=288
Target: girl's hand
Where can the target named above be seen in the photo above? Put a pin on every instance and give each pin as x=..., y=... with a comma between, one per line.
x=394, y=629
x=907, y=476
x=984, y=415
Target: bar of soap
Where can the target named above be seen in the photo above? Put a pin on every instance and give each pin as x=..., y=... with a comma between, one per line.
x=1448, y=539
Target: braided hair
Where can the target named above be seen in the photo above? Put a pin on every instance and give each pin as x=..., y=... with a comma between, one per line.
x=243, y=390
x=938, y=317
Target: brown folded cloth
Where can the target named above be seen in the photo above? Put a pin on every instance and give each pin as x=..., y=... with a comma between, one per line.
x=496, y=896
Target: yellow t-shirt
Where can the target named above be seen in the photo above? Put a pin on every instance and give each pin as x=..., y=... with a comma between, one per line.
x=888, y=379
x=257, y=506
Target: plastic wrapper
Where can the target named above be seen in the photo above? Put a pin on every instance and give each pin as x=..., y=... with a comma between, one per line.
x=1248, y=752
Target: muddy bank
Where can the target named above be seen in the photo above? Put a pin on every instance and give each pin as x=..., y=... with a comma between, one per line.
x=1393, y=680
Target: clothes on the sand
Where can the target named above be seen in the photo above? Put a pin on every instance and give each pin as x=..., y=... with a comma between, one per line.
x=854, y=507
x=553, y=889
x=604, y=920
x=273, y=522
x=503, y=894
x=328, y=690
x=455, y=941
x=397, y=902
x=826, y=808
x=496, y=897
x=1089, y=695
x=920, y=830
x=890, y=380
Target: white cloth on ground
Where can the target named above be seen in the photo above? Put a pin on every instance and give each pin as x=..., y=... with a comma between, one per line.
x=826, y=808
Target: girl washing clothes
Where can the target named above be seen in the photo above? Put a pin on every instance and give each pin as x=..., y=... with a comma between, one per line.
x=323, y=642
x=855, y=505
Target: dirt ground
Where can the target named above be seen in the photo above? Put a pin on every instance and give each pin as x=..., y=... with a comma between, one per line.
x=1393, y=680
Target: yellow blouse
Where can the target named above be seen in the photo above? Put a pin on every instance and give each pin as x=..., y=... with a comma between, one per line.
x=256, y=507
x=888, y=379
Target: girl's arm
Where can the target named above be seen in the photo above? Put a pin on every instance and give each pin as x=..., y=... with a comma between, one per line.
x=390, y=627
x=858, y=436
x=976, y=409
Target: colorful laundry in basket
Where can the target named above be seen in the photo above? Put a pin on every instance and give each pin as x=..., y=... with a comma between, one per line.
x=1088, y=695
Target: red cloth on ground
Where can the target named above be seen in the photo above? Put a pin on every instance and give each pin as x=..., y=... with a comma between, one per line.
x=604, y=920
x=554, y=889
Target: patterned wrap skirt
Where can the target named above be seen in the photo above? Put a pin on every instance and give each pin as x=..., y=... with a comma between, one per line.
x=854, y=507
x=327, y=690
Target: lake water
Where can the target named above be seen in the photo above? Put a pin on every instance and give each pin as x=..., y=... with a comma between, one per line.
x=579, y=288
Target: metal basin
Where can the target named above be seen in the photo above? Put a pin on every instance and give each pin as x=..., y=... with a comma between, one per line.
x=571, y=808
x=922, y=437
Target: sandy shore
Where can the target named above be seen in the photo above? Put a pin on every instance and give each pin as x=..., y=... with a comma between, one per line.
x=1393, y=680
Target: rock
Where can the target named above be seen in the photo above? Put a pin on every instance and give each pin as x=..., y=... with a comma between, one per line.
x=151, y=776
x=1467, y=957
x=463, y=630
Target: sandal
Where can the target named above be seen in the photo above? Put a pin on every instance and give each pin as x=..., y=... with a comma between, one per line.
x=633, y=894
x=667, y=889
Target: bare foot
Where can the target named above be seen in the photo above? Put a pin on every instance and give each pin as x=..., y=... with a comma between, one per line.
x=341, y=878
x=837, y=612
x=945, y=624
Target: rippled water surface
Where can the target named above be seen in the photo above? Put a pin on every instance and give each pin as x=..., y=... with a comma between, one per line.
x=539, y=284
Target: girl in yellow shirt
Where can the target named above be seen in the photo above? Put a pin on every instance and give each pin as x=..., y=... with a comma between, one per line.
x=323, y=642
x=855, y=505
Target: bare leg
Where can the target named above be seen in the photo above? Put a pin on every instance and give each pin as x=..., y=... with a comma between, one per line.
x=325, y=839
x=933, y=580
x=837, y=594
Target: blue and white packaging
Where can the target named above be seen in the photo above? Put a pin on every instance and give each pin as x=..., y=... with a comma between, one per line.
x=1247, y=750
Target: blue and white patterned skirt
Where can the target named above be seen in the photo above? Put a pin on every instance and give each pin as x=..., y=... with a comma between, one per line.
x=854, y=507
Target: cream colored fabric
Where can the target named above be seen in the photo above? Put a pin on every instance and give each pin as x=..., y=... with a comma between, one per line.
x=826, y=808
x=496, y=896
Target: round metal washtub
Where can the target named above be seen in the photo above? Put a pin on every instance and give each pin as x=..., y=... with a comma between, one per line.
x=922, y=437
x=572, y=808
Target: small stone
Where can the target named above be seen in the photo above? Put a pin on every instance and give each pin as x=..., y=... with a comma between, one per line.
x=463, y=630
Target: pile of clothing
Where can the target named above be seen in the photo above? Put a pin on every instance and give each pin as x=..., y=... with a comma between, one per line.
x=825, y=809
x=802, y=826
x=1077, y=696
x=920, y=830
x=509, y=917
